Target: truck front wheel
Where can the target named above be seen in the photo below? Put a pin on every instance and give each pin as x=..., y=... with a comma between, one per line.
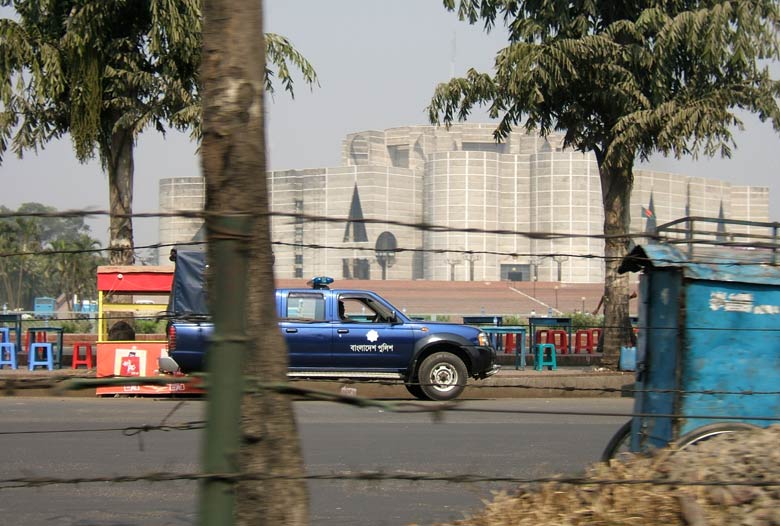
x=442, y=376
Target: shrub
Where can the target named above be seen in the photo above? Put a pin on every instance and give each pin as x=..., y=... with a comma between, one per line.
x=584, y=320
x=150, y=326
x=76, y=326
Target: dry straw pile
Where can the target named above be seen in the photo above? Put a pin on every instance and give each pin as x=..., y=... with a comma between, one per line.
x=746, y=456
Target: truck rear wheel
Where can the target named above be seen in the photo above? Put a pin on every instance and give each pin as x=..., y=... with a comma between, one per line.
x=442, y=376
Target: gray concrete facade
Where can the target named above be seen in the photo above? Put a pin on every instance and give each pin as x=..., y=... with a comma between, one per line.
x=485, y=196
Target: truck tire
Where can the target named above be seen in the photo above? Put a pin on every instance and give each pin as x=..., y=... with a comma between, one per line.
x=442, y=376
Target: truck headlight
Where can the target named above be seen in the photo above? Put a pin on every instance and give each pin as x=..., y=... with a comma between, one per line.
x=483, y=339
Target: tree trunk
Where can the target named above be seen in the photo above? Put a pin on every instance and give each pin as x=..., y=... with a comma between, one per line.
x=7, y=290
x=120, y=193
x=233, y=153
x=20, y=281
x=616, y=184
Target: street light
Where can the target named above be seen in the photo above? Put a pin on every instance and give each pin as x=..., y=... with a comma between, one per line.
x=559, y=260
x=453, y=262
x=471, y=258
x=556, y=297
x=583, y=304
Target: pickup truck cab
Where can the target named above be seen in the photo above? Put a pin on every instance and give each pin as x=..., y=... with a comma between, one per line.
x=356, y=334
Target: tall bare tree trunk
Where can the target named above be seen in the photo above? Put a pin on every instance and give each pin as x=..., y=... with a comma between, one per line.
x=20, y=280
x=616, y=184
x=8, y=288
x=233, y=153
x=120, y=193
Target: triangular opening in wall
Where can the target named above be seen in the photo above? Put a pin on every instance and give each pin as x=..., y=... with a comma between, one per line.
x=356, y=228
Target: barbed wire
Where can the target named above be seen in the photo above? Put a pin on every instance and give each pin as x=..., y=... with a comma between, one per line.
x=126, y=431
x=427, y=227
x=109, y=315
x=252, y=385
x=315, y=246
x=377, y=476
x=10, y=385
x=711, y=259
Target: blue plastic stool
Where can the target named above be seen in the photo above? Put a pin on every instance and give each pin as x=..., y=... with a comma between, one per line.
x=48, y=361
x=4, y=335
x=540, y=361
x=8, y=349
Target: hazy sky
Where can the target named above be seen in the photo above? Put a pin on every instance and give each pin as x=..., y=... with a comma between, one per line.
x=378, y=64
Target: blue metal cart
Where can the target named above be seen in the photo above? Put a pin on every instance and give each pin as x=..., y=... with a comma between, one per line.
x=708, y=356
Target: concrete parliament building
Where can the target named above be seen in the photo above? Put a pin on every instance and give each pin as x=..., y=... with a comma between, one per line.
x=485, y=196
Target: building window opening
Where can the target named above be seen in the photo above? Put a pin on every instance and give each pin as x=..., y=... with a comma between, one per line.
x=490, y=147
x=399, y=156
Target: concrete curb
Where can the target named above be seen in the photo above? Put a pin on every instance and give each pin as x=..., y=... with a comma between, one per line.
x=508, y=383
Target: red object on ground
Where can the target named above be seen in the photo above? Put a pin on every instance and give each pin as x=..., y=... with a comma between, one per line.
x=77, y=359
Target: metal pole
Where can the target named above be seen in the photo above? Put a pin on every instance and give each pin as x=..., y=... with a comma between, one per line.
x=227, y=347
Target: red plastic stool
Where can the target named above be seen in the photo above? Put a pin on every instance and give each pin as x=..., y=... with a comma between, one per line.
x=77, y=360
x=583, y=341
x=509, y=343
x=560, y=339
x=542, y=336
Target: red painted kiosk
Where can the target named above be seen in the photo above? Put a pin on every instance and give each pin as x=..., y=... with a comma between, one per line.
x=147, y=288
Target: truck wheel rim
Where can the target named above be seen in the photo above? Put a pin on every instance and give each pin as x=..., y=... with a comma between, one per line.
x=444, y=377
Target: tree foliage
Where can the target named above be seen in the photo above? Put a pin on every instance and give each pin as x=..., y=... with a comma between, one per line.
x=103, y=71
x=45, y=256
x=623, y=80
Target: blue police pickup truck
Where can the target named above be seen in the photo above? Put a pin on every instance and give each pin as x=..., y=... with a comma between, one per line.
x=338, y=334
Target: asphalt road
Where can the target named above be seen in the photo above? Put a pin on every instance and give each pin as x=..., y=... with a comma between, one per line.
x=75, y=437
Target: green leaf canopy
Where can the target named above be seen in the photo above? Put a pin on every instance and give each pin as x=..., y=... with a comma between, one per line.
x=624, y=80
x=104, y=71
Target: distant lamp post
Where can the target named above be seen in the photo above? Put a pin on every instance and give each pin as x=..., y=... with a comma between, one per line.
x=583, y=304
x=556, y=297
x=534, y=263
x=559, y=260
x=453, y=262
x=471, y=258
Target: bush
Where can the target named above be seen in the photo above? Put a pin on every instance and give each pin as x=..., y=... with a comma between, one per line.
x=514, y=321
x=152, y=326
x=584, y=320
x=76, y=326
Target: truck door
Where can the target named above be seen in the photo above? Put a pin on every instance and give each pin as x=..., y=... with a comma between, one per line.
x=366, y=338
x=305, y=329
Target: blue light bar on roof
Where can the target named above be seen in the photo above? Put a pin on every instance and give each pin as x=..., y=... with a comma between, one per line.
x=320, y=282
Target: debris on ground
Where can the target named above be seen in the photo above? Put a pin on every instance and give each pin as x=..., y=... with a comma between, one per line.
x=726, y=463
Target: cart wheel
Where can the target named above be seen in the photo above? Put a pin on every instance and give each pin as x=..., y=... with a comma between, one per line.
x=711, y=430
x=619, y=443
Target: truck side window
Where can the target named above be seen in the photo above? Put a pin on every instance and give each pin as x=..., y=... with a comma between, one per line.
x=357, y=310
x=306, y=306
